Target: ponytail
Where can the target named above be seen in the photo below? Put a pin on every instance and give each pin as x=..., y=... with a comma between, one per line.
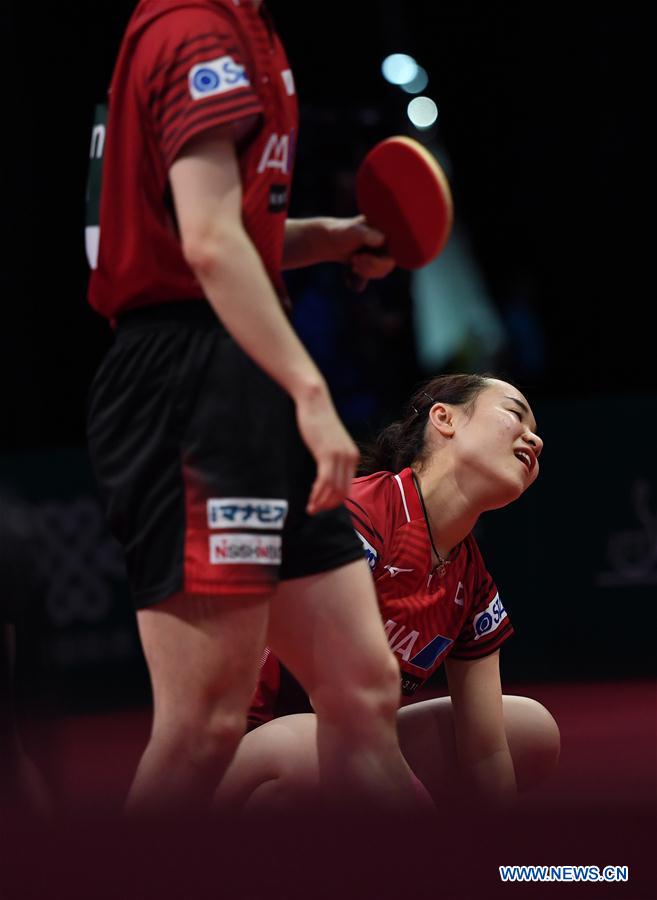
x=402, y=443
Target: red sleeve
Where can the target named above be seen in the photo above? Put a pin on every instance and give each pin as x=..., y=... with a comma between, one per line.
x=264, y=700
x=487, y=625
x=367, y=498
x=195, y=74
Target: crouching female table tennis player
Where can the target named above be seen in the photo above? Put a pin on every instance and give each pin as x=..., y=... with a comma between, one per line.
x=467, y=445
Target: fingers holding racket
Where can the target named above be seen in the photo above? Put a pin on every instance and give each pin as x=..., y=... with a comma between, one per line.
x=366, y=265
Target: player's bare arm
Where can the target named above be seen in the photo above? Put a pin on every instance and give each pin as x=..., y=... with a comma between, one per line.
x=327, y=239
x=481, y=740
x=206, y=186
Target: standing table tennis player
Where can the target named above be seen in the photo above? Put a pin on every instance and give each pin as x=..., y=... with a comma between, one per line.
x=216, y=446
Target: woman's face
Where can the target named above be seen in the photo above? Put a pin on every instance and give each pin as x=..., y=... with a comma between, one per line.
x=498, y=443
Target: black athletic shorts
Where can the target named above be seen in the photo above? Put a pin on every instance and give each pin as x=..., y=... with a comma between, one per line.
x=200, y=463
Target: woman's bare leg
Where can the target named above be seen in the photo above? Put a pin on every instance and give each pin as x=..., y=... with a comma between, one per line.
x=426, y=733
x=276, y=766
x=327, y=630
x=203, y=655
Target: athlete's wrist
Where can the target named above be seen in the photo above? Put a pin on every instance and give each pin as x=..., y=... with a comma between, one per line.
x=309, y=241
x=309, y=388
x=338, y=243
x=492, y=778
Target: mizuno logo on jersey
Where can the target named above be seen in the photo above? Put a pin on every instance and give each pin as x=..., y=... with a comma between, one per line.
x=216, y=76
x=394, y=570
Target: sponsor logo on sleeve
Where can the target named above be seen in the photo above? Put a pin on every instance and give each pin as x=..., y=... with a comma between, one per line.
x=489, y=619
x=247, y=512
x=216, y=76
x=250, y=549
x=276, y=154
x=370, y=553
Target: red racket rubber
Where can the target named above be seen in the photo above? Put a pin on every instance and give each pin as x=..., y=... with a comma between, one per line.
x=402, y=190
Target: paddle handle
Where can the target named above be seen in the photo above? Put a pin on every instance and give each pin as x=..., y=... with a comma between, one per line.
x=354, y=282
x=357, y=283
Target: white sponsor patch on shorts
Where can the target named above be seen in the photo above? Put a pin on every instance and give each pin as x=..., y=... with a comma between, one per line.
x=216, y=76
x=249, y=549
x=267, y=514
x=488, y=619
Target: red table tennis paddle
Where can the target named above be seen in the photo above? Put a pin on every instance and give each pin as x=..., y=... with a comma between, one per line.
x=402, y=191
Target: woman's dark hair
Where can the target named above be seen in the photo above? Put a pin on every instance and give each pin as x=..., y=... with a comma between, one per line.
x=402, y=443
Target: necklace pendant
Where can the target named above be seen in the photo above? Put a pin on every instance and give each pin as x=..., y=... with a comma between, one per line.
x=441, y=565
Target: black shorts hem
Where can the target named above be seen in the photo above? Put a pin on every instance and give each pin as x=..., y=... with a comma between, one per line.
x=227, y=588
x=317, y=566
x=151, y=596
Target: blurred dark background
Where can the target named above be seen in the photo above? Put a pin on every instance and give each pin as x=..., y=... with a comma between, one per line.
x=541, y=120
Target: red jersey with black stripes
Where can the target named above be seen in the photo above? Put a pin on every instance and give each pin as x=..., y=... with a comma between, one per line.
x=428, y=612
x=185, y=67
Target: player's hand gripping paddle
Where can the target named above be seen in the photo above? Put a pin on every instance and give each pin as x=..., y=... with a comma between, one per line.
x=402, y=191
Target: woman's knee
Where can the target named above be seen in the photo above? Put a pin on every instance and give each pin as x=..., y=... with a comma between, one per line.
x=222, y=730
x=367, y=691
x=534, y=740
x=276, y=761
x=205, y=737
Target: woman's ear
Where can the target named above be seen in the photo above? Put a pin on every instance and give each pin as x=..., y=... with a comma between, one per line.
x=441, y=416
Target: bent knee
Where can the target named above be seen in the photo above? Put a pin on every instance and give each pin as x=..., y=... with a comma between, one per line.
x=203, y=737
x=548, y=736
x=278, y=757
x=366, y=692
x=222, y=729
x=534, y=740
